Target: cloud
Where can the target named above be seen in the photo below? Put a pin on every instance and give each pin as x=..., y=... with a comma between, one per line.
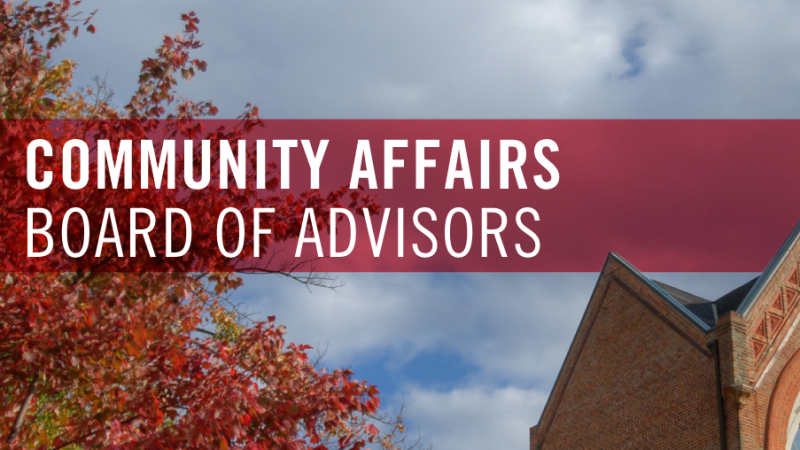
x=466, y=58
x=511, y=328
x=508, y=326
x=473, y=355
x=475, y=417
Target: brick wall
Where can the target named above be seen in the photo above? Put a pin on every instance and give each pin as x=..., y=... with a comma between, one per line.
x=638, y=377
x=639, y=374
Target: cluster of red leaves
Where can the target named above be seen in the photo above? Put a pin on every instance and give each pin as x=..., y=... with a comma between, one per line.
x=115, y=361
x=95, y=359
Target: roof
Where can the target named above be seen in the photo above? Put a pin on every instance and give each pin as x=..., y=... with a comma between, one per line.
x=710, y=311
x=702, y=312
x=685, y=298
x=733, y=299
x=665, y=294
x=700, y=307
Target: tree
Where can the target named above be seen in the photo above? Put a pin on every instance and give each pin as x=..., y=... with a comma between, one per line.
x=101, y=358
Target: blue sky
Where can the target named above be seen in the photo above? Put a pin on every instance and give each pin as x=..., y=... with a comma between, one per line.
x=474, y=355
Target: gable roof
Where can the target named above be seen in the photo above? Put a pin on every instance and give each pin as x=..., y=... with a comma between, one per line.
x=703, y=312
x=700, y=312
x=649, y=293
x=709, y=311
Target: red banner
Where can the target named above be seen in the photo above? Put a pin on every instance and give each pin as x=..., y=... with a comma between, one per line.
x=537, y=196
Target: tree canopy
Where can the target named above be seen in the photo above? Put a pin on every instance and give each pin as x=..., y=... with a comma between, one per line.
x=109, y=359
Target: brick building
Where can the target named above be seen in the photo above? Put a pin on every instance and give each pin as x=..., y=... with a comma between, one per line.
x=654, y=367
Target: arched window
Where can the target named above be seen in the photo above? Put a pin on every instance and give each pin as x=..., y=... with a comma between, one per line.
x=793, y=433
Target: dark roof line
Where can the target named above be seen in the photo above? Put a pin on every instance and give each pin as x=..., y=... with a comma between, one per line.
x=703, y=308
x=664, y=294
x=732, y=300
x=686, y=298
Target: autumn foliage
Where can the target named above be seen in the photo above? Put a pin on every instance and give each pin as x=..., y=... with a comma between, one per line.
x=101, y=359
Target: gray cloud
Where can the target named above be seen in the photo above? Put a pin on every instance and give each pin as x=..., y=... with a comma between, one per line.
x=475, y=417
x=513, y=327
x=453, y=59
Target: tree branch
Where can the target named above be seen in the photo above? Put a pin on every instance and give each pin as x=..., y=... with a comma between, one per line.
x=23, y=409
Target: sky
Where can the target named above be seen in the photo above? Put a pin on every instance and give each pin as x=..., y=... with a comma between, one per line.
x=469, y=59
x=473, y=356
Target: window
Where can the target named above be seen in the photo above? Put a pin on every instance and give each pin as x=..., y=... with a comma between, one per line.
x=793, y=433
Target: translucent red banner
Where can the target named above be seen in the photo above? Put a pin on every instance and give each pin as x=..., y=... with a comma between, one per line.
x=436, y=195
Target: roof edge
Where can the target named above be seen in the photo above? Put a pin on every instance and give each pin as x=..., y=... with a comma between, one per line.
x=662, y=293
x=769, y=271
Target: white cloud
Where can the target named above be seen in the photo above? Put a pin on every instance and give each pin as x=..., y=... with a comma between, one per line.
x=475, y=417
x=510, y=326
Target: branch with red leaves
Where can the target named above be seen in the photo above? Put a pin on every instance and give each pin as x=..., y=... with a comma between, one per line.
x=112, y=360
